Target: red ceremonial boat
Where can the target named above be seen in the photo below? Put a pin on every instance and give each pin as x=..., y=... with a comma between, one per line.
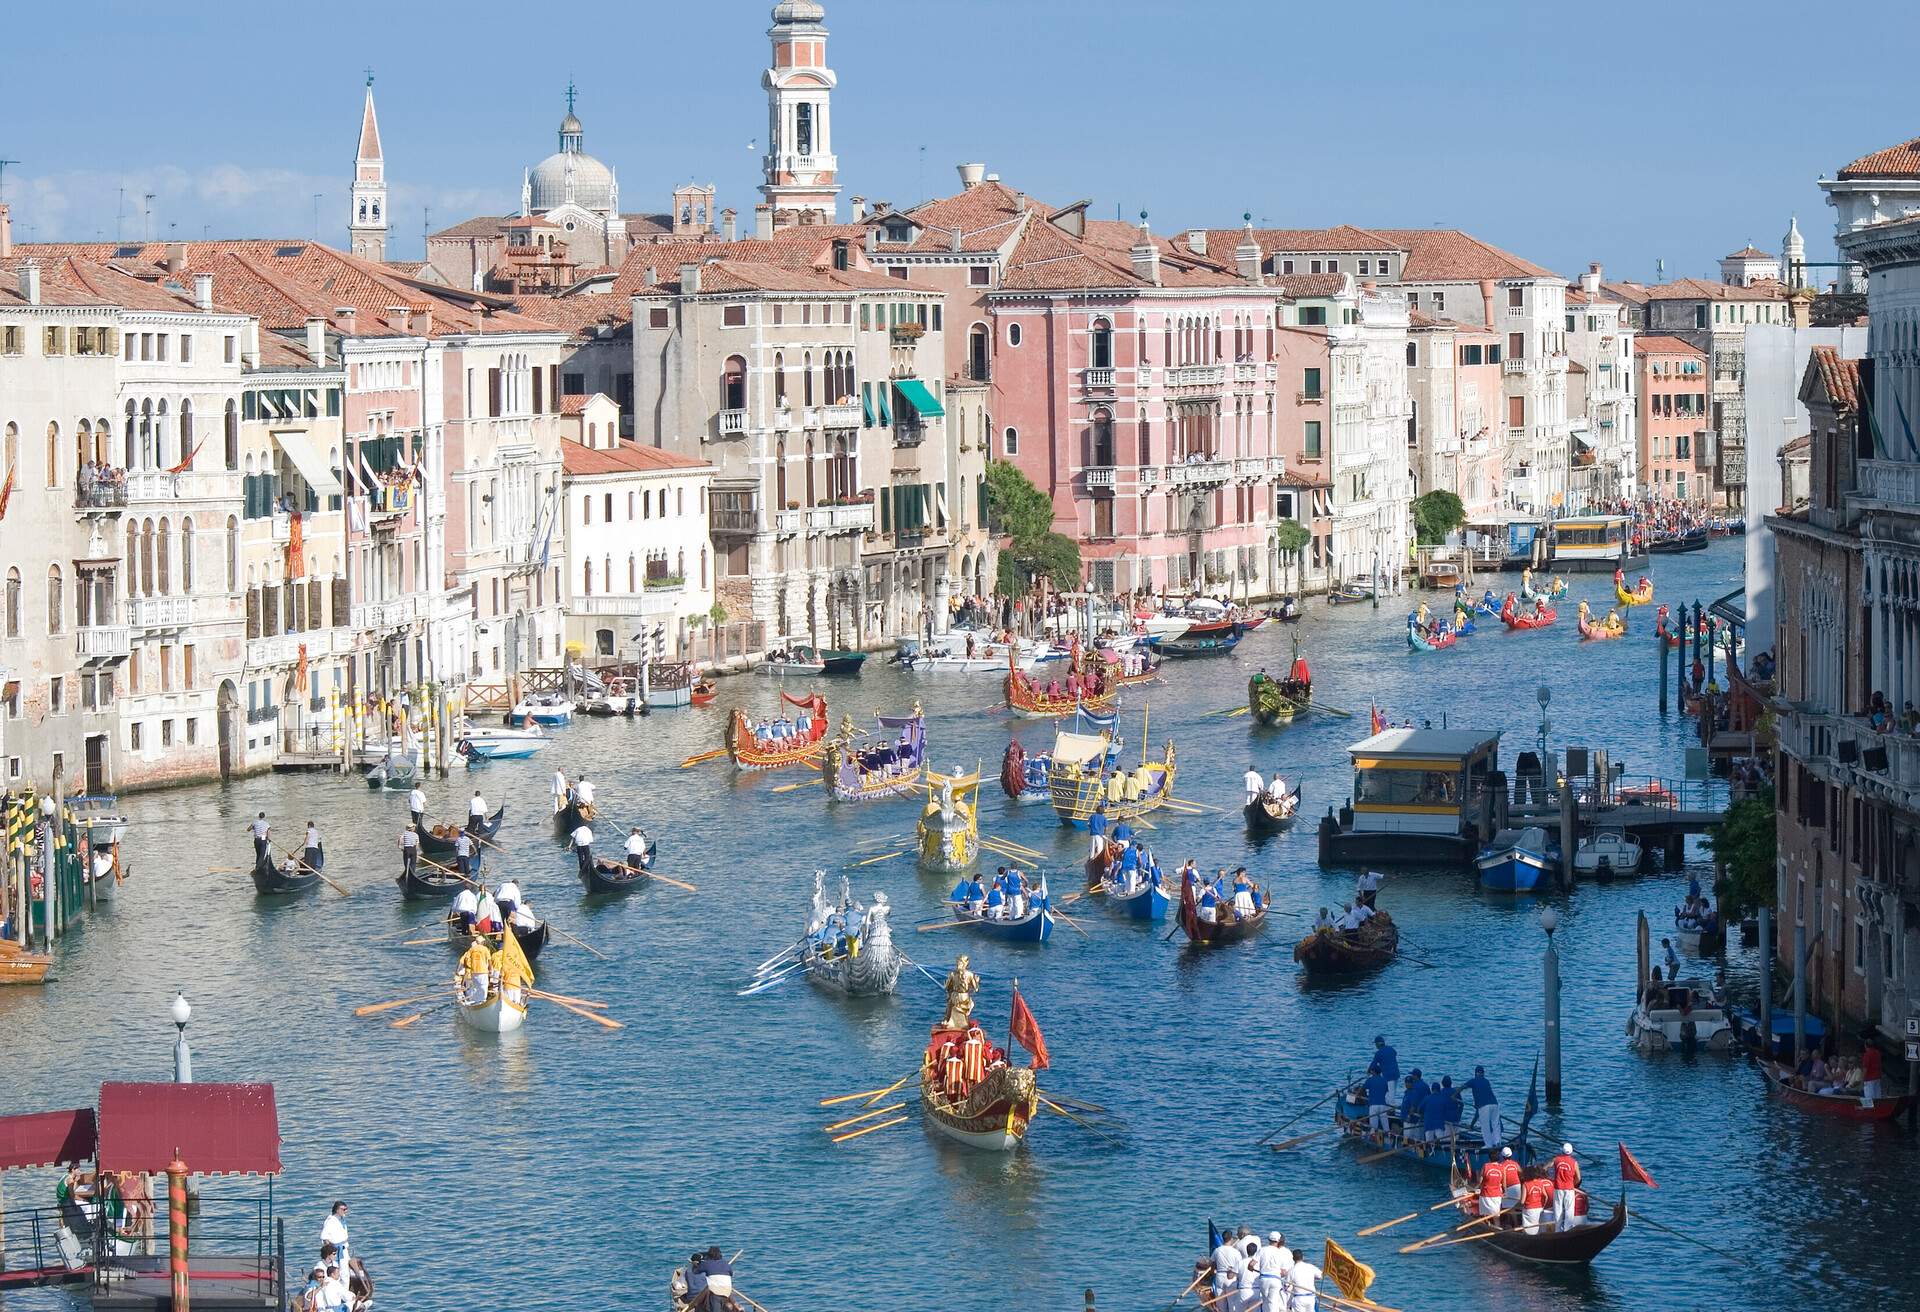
x=1094, y=690
x=1839, y=1106
x=970, y=1090
x=1514, y=618
x=773, y=743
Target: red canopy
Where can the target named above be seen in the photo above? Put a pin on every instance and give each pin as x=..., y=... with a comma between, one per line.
x=46, y=1139
x=217, y=1129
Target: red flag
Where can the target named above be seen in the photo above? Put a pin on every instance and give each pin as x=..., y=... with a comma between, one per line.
x=1379, y=720
x=1026, y=1032
x=187, y=464
x=6, y=492
x=1631, y=1170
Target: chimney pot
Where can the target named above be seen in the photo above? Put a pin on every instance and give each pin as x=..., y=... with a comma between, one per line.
x=971, y=175
x=203, y=290
x=398, y=316
x=6, y=232
x=317, y=339
x=1197, y=240
x=652, y=276
x=176, y=257
x=345, y=315
x=689, y=280
x=30, y=282
x=727, y=224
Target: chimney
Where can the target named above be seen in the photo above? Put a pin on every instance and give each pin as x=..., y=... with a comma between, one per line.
x=873, y=241
x=398, y=315
x=423, y=322
x=1197, y=240
x=689, y=280
x=343, y=315
x=317, y=339
x=859, y=204
x=652, y=276
x=1590, y=282
x=971, y=175
x=993, y=177
x=176, y=257
x=727, y=217
x=954, y=242
x=1486, y=302
x=1246, y=256
x=1146, y=255
x=203, y=290
x=6, y=232
x=250, y=350
x=763, y=222
x=30, y=282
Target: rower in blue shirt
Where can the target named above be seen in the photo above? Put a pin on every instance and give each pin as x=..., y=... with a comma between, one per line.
x=1153, y=872
x=1097, y=829
x=1415, y=1096
x=1453, y=1103
x=1385, y=1059
x=1129, y=862
x=1123, y=832
x=1375, y=1092
x=995, y=900
x=1486, y=1107
x=1433, y=1114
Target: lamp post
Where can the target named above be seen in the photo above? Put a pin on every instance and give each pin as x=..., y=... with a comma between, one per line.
x=1543, y=695
x=181, y=1012
x=1550, y=993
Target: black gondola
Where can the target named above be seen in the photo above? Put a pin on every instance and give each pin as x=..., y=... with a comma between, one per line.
x=436, y=845
x=269, y=878
x=605, y=876
x=531, y=941
x=425, y=881
x=1266, y=816
x=1575, y=1247
x=571, y=816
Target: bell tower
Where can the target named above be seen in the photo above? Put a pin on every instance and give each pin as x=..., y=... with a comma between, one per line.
x=367, y=215
x=802, y=175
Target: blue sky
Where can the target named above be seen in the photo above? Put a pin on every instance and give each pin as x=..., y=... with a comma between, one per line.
x=1626, y=133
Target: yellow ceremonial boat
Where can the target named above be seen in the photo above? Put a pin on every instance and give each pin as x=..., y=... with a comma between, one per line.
x=1093, y=690
x=1079, y=782
x=1611, y=627
x=1641, y=594
x=949, y=829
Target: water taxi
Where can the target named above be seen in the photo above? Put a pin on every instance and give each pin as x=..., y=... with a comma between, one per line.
x=1421, y=797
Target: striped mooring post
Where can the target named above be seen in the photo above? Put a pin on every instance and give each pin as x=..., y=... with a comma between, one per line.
x=177, y=1232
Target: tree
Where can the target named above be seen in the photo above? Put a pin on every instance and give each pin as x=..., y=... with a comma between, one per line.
x=1745, y=844
x=1022, y=512
x=1436, y=514
x=1291, y=537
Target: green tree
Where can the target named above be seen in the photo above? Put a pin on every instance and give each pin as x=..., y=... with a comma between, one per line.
x=1746, y=845
x=1291, y=537
x=1436, y=514
x=1024, y=515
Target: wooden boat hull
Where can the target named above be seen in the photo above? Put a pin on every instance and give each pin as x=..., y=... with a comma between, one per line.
x=1419, y=641
x=427, y=882
x=21, y=967
x=1514, y=870
x=1349, y=596
x=571, y=816
x=1514, y=619
x=1149, y=903
x=1575, y=1247
x=994, y=1117
x=870, y=972
x=497, y=1015
x=1833, y=1106
x=1219, y=933
x=1204, y=638
x=1076, y=796
x=531, y=941
x=437, y=845
x=271, y=881
x=1024, y=699
x=842, y=662
x=1265, y=816
x=1464, y=1153
x=613, y=877
x=703, y=694
x=1267, y=703
x=1331, y=952
x=892, y=768
x=748, y=753
x=1599, y=633
x=1034, y=927
x=1639, y=597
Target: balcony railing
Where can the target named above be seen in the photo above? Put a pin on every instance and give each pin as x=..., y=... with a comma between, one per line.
x=160, y=612
x=382, y=615
x=733, y=423
x=284, y=648
x=733, y=519
x=1098, y=380
x=210, y=485
x=1249, y=467
x=840, y=415
x=908, y=432
x=1246, y=372
x=1890, y=480
x=1197, y=375
x=102, y=642
x=1902, y=768
x=652, y=601
x=789, y=522
x=102, y=494
x=1209, y=471
x=1177, y=475
x=1102, y=477
x=1513, y=365
x=1149, y=476
x=1276, y=466
x=1309, y=398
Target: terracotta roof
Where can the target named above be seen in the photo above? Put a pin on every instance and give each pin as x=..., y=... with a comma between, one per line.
x=575, y=405
x=579, y=459
x=1629, y=293
x=1575, y=367
x=1664, y=344
x=1345, y=237
x=531, y=221
x=1839, y=376
x=579, y=313
x=1800, y=446
x=282, y=351
x=983, y=216
x=1749, y=252
x=1449, y=255
x=483, y=226
x=73, y=280
x=405, y=268
x=1046, y=259
x=1701, y=289
x=1901, y=161
x=1308, y=286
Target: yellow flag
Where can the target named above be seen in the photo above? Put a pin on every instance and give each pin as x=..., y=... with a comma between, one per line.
x=512, y=956
x=1349, y=1272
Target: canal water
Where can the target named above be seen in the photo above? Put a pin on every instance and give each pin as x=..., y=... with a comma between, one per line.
x=569, y=1166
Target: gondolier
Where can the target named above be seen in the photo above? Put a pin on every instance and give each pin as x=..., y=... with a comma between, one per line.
x=417, y=803
x=508, y=896
x=409, y=851
x=465, y=906
x=639, y=848
x=1366, y=889
x=313, y=855
x=1255, y=785
x=1096, y=826
x=582, y=843
x=262, y=832
x=476, y=810
x=559, y=790
x=463, y=853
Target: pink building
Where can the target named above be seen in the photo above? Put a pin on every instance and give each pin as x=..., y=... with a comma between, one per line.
x=1672, y=387
x=1135, y=381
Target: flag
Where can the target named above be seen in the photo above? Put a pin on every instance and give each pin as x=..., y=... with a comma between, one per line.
x=6, y=492
x=1026, y=1032
x=187, y=463
x=300, y=676
x=511, y=955
x=1213, y=1235
x=296, y=548
x=1631, y=1170
x=1349, y=1272
x=1379, y=720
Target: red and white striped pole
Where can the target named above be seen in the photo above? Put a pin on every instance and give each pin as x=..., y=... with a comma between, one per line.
x=177, y=1231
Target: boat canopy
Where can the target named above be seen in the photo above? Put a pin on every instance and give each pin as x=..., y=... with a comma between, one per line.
x=1418, y=746
x=1079, y=748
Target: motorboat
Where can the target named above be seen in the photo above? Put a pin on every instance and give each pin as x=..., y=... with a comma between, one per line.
x=619, y=696
x=1606, y=855
x=791, y=657
x=548, y=708
x=488, y=743
x=1517, y=860
x=1679, y=1016
x=949, y=654
x=98, y=815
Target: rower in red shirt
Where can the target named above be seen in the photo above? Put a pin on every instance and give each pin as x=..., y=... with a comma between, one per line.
x=1869, y=1076
x=1565, y=1172
x=1510, y=1175
x=1493, y=1187
x=1535, y=1195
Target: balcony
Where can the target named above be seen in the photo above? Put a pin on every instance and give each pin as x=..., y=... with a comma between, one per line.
x=1513, y=365
x=160, y=612
x=1894, y=481
x=390, y=500
x=1246, y=373
x=855, y=518
x=1309, y=398
x=192, y=485
x=1200, y=471
x=1149, y=477
x=733, y=423
x=740, y=521
x=1276, y=466
x=109, y=495
x=1250, y=467
x=282, y=527
x=842, y=415
x=1197, y=376
x=908, y=432
x=787, y=523
x=1898, y=778
x=102, y=642
x=652, y=601
x=379, y=616
x=1178, y=475
x=1101, y=478
x=284, y=648
x=1097, y=380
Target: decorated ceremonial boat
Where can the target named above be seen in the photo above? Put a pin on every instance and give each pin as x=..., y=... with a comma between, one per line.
x=438, y=841
x=771, y=744
x=1266, y=702
x=1641, y=595
x=1093, y=691
x=1113, y=666
x=1515, y=618
x=1611, y=627
x=970, y=1091
x=891, y=767
x=948, y=834
x=1226, y=927
x=849, y=948
x=1082, y=780
x=1024, y=778
x=1339, y=951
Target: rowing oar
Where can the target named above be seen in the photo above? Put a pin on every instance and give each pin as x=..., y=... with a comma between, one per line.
x=405, y=1021
x=945, y=924
x=891, y=1087
x=887, y=856
x=421, y=942
x=571, y=939
x=1449, y=1243
x=1299, y=1139
x=412, y=929
x=1330, y=710
x=665, y=879
x=1192, y=1285
x=1238, y=711
x=1388, y=1225
x=788, y=788
x=758, y=1307
x=874, y=1094
x=447, y=870
x=301, y=861
x=1061, y=915
x=864, y=1116
x=855, y=1134
x=1375, y=1157
x=1009, y=843
x=771, y=981
x=371, y=1008
x=1058, y=1110
x=1204, y=806
x=1446, y=1234
x=704, y=756
x=1081, y=1104
x=593, y=1016
x=878, y=842
x=561, y=997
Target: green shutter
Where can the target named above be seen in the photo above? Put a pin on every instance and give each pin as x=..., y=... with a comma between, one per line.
x=886, y=519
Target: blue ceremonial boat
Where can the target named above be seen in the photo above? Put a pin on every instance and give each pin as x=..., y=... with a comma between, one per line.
x=1517, y=860
x=1150, y=903
x=1464, y=1148
x=1034, y=927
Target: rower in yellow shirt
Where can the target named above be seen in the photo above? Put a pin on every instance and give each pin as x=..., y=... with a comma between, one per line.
x=474, y=965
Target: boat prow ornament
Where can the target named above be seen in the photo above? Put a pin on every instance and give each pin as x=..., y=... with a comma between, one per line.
x=962, y=984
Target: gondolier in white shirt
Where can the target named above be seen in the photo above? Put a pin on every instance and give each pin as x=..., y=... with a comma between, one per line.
x=582, y=842
x=583, y=791
x=1256, y=784
x=476, y=810
x=1277, y=790
x=102, y=865
x=1367, y=887
x=637, y=848
x=1272, y=1264
x=334, y=1230
x=508, y=896
x=417, y=803
x=559, y=790
x=409, y=850
x=465, y=906
x=463, y=853
x=262, y=833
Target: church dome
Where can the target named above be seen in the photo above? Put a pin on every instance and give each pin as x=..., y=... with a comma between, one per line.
x=799, y=11
x=570, y=177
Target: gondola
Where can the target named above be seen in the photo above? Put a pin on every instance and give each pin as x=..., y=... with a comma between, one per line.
x=1837, y=1106
x=424, y=881
x=1268, y=704
x=1265, y=815
x=1507, y=1236
x=438, y=841
x=269, y=878
x=1336, y=952
x=800, y=740
x=1674, y=543
x=531, y=941
x=703, y=693
x=605, y=876
x=1642, y=592
x=834, y=661
x=1349, y=593
x=571, y=816
x=1221, y=930
x=1419, y=640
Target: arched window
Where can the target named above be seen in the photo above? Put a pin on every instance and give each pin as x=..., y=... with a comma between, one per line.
x=1100, y=438
x=780, y=475
x=586, y=571
x=1010, y=442
x=53, y=457
x=10, y=450
x=779, y=377
x=979, y=345
x=186, y=433
x=146, y=435
x=13, y=602
x=1013, y=334
x=82, y=447
x=146, y=558
x=231, y=433
x=811, y=499
x=162, y=568
x=806, y=379
x=233, y=553
x=1100, y=345
x=133, y=559
x=132, y=446
x=160, y=460
x=1413, y=355
x=633, y=574
x=733, y=384
x=56, y=599
x=186, y=555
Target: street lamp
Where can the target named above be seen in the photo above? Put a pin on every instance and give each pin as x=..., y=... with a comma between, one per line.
x=182, y=1012
x=1550, y=996
x=1543, y=695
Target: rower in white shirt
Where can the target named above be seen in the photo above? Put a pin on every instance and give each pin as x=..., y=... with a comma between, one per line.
x=1272, y=1264
x=465, y=905
x=1226, y=1269
x=1256, y=784
x=1351, y=919
x=1304, y=1281
x=1277, y=790
x=583, y=845
x=524, y=921
x=476, y=809
x=334, y=1231
x=637, y=847
x=508, y=896
x=1323, y=920
x=559, y=791
x=1247, y=1289
x=583, y=792
x=1367, y=887
x=417, y=803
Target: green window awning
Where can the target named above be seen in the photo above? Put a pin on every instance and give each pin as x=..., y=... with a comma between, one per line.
x=923, y=401
x=886, y=415
x=866, y=399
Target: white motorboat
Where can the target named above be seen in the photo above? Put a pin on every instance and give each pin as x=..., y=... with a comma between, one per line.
x=790, y=657
x=499, y=1014
x=1161, y=627
x=548, y=708
x=947, y=654
x=98, y=816
x=619, y=696
x=1607, y=854
x=1679, y=1016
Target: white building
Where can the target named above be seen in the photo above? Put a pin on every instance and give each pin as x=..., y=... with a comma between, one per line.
x=1749, y=265
x=1372, y=479
x=639, y=557
x=1600, y=393
x=1876, y=188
